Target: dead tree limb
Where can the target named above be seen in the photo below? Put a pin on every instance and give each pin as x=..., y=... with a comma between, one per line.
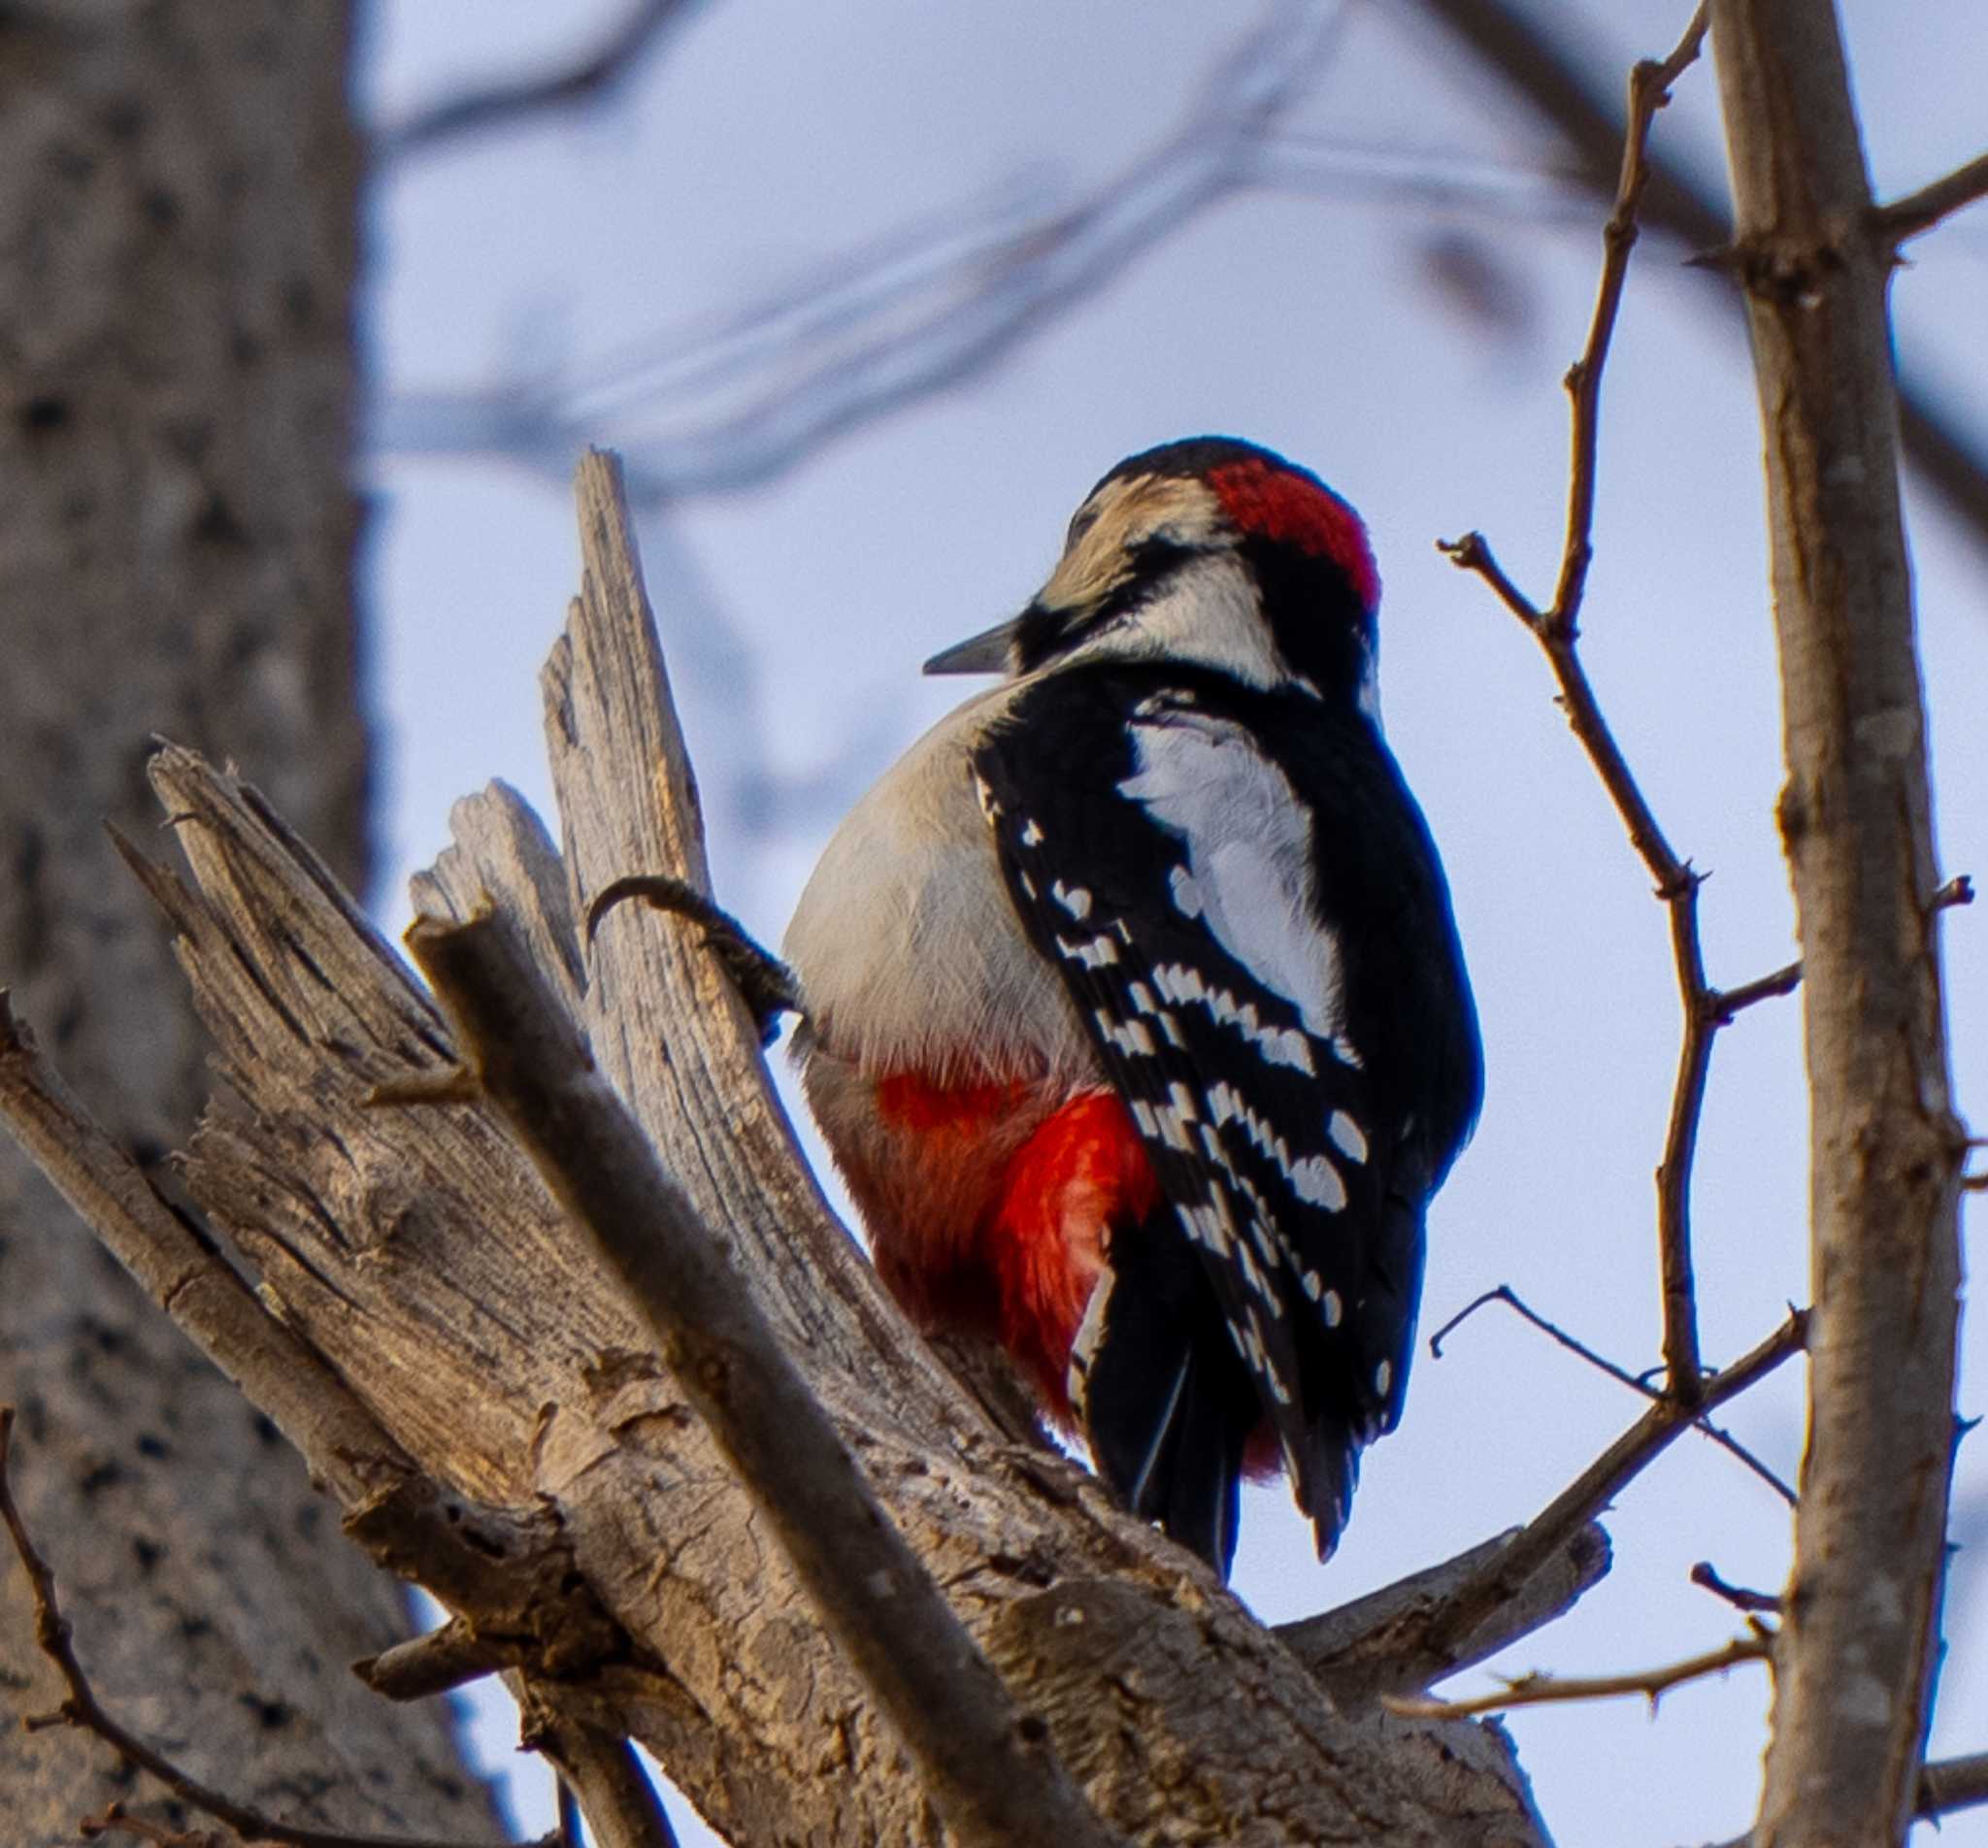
x=985, y=1763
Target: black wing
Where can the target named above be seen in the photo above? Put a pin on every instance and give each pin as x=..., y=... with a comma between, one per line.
x=1165, y=837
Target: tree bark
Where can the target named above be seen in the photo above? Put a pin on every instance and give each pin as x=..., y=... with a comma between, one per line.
x=177, y=240
x=1858, y=1641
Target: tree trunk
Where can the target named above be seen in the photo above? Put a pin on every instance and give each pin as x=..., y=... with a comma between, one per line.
x=1855, y=1658
x=177, y=238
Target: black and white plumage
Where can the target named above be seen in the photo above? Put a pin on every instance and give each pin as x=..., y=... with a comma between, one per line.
x=1199, y=831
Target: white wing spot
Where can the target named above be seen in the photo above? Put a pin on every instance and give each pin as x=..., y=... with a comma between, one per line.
x=1032, y=836
x=1142, y=997
x=1347, y=1136
x=1074, y=899
x=1317, y=1180
x=1132, y=1039
x=1383, y=1378
x=1335, y=1309
x=1172, y=1028
x=1095, y=954
x=1186, y=893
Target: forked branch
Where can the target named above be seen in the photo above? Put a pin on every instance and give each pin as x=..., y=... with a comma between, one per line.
x=1520, y=1307
x=1557, y=629
x=1527, y=1550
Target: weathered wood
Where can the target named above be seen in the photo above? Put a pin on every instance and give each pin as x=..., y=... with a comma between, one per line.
x=1383, y=1643
x=983, y=1762
x=416, y=1250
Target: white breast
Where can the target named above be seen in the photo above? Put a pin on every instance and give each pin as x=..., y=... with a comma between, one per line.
x=907, y=948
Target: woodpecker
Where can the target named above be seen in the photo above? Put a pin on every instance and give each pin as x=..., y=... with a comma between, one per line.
x=1136, y=1018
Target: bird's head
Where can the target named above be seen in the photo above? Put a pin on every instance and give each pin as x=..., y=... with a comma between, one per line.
x=1211, y=551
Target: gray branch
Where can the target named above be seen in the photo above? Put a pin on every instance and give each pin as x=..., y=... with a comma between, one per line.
x=1856, y=1649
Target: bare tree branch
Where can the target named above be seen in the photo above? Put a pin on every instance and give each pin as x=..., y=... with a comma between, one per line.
x=1855, y=1658
x=1557, y=629
x=423, y=1666
x=615, y=61
x=1921, y=211
x=1381, y=1644
x=1952, y=1783
x=1510, y=1298
x=1540, y=69
x=1755, y=1603
x=1536, y=1689
x=1523, y=1553
x=180, y=1268
x=1945, y=1786
x=600, y=1775
x=1649, y=89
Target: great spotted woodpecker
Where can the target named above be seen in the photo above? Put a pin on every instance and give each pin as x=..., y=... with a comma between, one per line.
x=1137, y=1020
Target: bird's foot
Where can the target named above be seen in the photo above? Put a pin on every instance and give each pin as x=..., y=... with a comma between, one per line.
x=763, y=982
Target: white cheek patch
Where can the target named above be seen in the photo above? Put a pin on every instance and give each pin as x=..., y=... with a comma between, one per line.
x=1248, y=842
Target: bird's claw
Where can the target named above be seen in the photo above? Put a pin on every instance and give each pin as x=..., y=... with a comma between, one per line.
x=763, y=982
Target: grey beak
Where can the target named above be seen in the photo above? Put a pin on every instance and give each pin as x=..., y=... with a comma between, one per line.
x=984, y=653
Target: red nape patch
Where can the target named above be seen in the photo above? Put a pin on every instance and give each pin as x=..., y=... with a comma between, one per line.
x=911, y=1101
x=1081, y=1179
x=1294, y=510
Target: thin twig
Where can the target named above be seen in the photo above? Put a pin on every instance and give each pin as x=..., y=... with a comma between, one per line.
x=589, y=77
x=1921, y=211
x=1649, y=89
x=1516, y=43
x=83, y=1710
x=1705, y=1575
x=1536, y=1689
x=1462, y=1609
x=1728, y=1002
x=1510, y=1298
x=990, y=1768
x=1949, y=1784
x=1557, y=629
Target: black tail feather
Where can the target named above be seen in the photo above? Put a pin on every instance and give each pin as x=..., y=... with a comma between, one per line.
x=1175, y=1452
